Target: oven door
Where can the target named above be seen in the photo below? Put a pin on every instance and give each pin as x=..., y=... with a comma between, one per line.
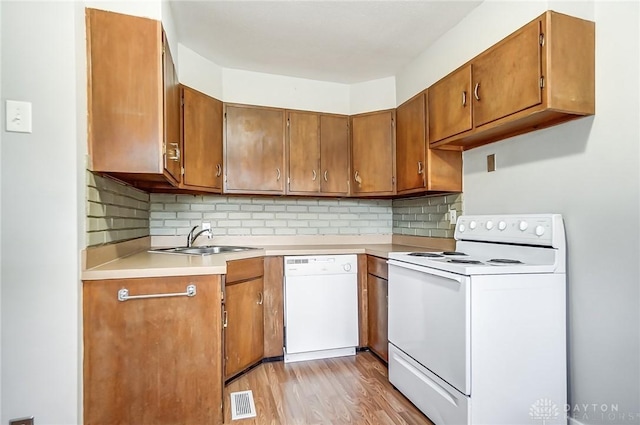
x=429, y=319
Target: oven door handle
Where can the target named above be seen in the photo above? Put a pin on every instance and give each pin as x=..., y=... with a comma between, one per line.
x=427, y=270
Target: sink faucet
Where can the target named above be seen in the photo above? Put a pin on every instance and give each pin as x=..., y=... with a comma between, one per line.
x=191, y=238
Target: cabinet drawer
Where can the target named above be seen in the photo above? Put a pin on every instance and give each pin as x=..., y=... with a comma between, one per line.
x=377, y=266
x=240, y=270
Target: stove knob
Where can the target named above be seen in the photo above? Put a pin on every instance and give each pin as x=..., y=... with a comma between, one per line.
x=472, y=225
x=347, y=267
x=489, y=225
x=461, y=228
x=502, y=225
x=539, y=230
x=523, y=225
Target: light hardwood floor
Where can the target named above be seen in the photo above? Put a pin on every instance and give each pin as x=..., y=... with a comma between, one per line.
x=345, y=390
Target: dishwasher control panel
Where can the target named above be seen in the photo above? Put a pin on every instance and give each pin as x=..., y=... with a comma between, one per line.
x=320, y=264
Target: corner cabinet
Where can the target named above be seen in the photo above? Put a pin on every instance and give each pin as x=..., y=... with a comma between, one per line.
x=153, y=360
x=418, y=167
x=318, y=147
x=243, y=315
x=133, y=100
x=202, y=141
x=539, y=76
x=254, y=150
x=373, y=153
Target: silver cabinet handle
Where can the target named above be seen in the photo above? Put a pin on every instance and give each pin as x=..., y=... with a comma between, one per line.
x=475, y=91
x=420, y=169
x=325, y=175
x=123, y=294
x=464, y=98
x=176, y=152
x=219, y=170
x=278, y=174
x=225, y=318
x=314, y=175
x=260, y=298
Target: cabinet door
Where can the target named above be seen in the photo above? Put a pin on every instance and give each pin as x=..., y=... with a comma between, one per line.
x=124, y=93
x=173, y=150
x=507, y=78
x=372, y=153
x=304, y=152
x=410, y=144
x=334, y=154
x=378, y=315
x=254, y=150
x=202, y=140
x=244, y=333
x=450, y=105
x=156, y=360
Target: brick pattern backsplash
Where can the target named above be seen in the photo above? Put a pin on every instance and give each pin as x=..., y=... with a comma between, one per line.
x=174, y=215
x=115, y=211
x=426, y=216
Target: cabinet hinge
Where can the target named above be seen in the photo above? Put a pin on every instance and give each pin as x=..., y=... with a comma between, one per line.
x=225, y=116
x=541, y=39
x=225, y=178
x=288, y=123
x=393, y=122
x=182, y=171
x=289, y=181
x=164, y=148
x=542, y=82
x=393, y=180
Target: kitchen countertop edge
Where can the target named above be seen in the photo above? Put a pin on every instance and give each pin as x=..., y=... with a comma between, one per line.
x=145, y=264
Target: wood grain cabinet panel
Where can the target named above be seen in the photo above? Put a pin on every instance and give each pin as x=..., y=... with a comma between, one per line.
x=377, y=300
x=541, y=75
x=418, y=167
x=304, y=152
x=318, y=147
x=202, y=141
x=334, y=154
x=133, y=99
x=254, y=148
x=153, y=361
x=373, y=153
x=450, y=105
x=244, y=317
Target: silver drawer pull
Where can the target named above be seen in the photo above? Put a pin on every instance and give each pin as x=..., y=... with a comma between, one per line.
x=123, y=294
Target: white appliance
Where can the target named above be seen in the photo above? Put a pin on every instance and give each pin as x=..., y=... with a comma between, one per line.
x=478, y=336
x=320, y=306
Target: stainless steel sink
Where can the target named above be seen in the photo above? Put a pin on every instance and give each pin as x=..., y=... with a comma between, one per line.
x=202, y=250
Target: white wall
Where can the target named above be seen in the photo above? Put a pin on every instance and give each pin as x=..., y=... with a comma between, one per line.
x=199, y=73
x=588, y=171
x=372, y=95
x=257, y=88
x=39, y=201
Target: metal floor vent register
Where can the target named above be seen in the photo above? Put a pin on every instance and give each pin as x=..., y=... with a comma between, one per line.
x=242, y=405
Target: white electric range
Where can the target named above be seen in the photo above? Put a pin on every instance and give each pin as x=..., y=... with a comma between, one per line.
x=478, y=335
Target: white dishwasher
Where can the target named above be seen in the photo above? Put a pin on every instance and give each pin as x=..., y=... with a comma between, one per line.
x=320, y=306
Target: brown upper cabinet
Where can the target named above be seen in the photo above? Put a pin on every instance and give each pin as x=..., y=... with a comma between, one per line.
x=202, y=141
x=419, y=168
x=539, y=76
x=318, y=147
x=373, y=153
x=254, y=143
x=133, y=99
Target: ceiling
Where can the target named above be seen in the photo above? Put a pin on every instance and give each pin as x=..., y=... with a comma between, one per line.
x=340, y=41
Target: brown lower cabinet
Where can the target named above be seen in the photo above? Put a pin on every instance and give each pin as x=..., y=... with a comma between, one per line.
x=153, y=360
x=377, y=300
x=243, y=315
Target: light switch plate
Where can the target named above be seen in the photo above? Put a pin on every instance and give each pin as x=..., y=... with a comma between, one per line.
x=491, y=162
x=18, y=116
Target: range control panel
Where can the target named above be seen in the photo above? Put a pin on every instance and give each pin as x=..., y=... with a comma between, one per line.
x=524, y=229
